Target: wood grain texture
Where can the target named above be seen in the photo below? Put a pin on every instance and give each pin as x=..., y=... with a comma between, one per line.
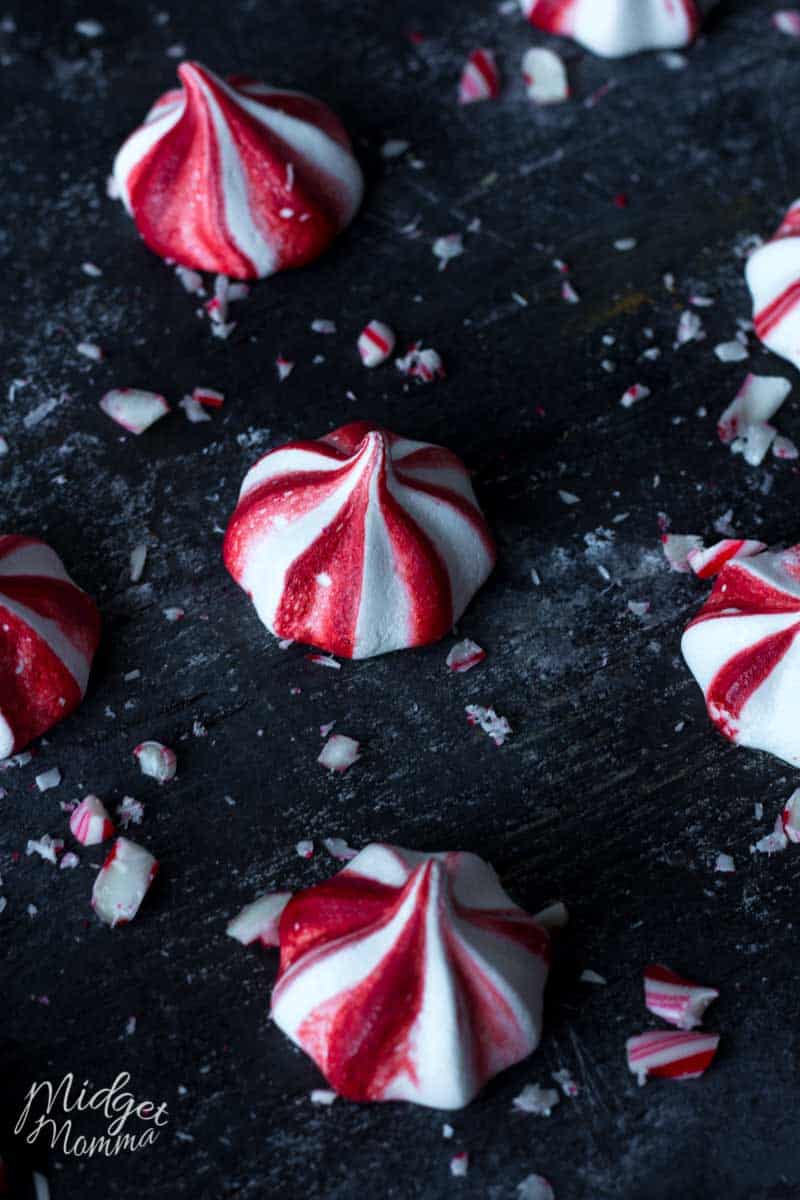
x=596, y=798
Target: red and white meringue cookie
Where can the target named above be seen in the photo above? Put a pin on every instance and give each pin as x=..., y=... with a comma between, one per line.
x=773, y=276
x=615, y=28
x=743, y=648
x=359, y=543
x=49, y=632
x=237, y=177
x=411, y=977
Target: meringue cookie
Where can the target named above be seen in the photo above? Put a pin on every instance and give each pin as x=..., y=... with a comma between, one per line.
x=237, y=177
x=49, y=632
x=743, y=648
x=359, y=543
x=411, y=976
x=615, y=28
x=773, y=276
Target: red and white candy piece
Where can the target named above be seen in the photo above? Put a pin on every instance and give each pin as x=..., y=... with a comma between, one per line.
x=787, y=20
x=156, y=761
x=545, y=76
x=359, y=543
x=375, y=343
x=773, y=276
x=615, y=28
x=49, y=632
x=424, y=365
x=236, y=177
x=465, y=655
x=259, y=921
x=90, y=822
x=480, y=78
x=790, y=817
x=668, y=1054
x=134, y=409
x=674, y=999
x=743, y=648
x=123, y=882
x=339, y=753
x=411, y=977
x=208, y=397
x=744, y=425
x=707, y=563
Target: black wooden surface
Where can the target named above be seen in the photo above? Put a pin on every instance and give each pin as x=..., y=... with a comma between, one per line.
x=596, y=799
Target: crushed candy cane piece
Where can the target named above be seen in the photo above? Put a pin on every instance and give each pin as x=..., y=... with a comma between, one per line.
x=744, y=424
x=90, y=350
x=690, y=328
x=137, y=560
x=191, y=281
x=635, y=393
x=375, y=343
x=305, y=848
x=565, y=1081
x=668, y=1054
x=545, y=76
x=91, y=269
x=589, y=976
x=464, y=656
x=284, y=367
x=783, y=447
x=623, y=245
x=729, y=352
x=259, y=921
x=324, y=660
x=68, y=861
x=130, y=811
x=790, y=817
x=123, y=882
x=535, y=1187
x=4, y=447
x=209, y=397
x=497, y=728
x=677, y=548
x=322, y=325
x=707, y=563
x=90, y=823
x=459, y=1164
x=536, y=1100
x=338, y=848
x=568, y=293
x=676, y=1000
x=339, y=753
x=422, y=365
x=322, y=1096
x=195, y=412
x=480, y=78
x=639, y=608
x=568, y=498
x=174, y=614
x=134, y=409
x=447, y=248
x=724, y=864
x=89, y=28
x=787, y=20
x=46, y=847
x=48, y=779
x=775, y=842
x=156, y=761
x=394, y=148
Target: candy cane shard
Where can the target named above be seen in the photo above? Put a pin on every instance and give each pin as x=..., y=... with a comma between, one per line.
x=90, y=823
x=790, y=817
x=411, y=976
x=156, y=761
x=480, y=78
x=376, y=343
x=123, y=882
x=615, y=28
x=233, y=176
x=674, y=999
x=49, y=632
x=260, y=921
x=743, y=648
x=668, y=1054
x=134, y=409
x=773, y=276
x=707, y=563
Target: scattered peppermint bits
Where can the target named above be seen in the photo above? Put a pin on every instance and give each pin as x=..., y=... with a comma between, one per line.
x=90, y=350
x=89, y=28
x=48, y=779
x=208, y=397
x=323, y=325
x=324, y=660
x=568, y=293
x=535, y=1187
x=137, y=561
x=635, y=393
x=259, y=921
x=91, y=269
x=323, y=1096
x=670, y=1054
x=464, y=656
x=731, y=352
x=446, y=248
x=744, y=425
x=424, y=365
x=284, y=367
x=690, y=328
x=480, y=78
x=639, y=608
x=568, y=498
x=459, y=1164
x=305, y=848
x=156, y=761
x=495, y=727
x=724, y=864
x=130, y=812
x=134, y=409
x=787, y=20
x=677, y=548
x=536, y=1100
x=339, y=849
x=676, y=1000
x=545, y=76
x=174, y=614
x=46, y=847
x=376, y=343
x=123, y=882
x=194, y=412
x=339, y=753
x=90, y=823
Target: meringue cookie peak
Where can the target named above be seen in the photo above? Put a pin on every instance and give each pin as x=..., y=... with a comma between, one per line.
x=237, y=177
x=411, y=977
x=743, y=648
x=359, y=543
x=615, y=28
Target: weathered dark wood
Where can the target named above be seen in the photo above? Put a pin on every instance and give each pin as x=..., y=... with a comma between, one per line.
x=595, y=799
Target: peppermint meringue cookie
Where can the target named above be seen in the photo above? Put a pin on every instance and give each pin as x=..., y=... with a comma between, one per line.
x=743, y=648
x=359, y=543
x=49, y=632
x=773, y=276
x=616, y=28
x=237, y=177
x=411, y=976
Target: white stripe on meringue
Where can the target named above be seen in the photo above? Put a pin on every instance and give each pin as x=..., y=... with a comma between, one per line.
x=33, y=558
x=287, y=461
x=158, y=123
x=383, y=614
x=6, y=738
x=51, y=633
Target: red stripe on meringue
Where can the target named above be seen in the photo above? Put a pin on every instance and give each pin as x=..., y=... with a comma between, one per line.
x=781, y=307
x=742, y=676
x=554, y=16
x=740, y=591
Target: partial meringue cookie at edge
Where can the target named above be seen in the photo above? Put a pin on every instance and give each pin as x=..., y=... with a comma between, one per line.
x=617, y=28
x=236, y=177
x=773, y=276
x=360, y=542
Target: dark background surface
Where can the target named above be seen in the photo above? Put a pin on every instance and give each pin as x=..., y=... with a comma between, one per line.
x=596, y=799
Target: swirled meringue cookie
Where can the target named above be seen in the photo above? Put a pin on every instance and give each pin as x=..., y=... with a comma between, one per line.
x=743, y=648
x=49, y=632
x=773, y=276
x=411, y=976
x=237, y=177
x=359, y=543
x=616, y=28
